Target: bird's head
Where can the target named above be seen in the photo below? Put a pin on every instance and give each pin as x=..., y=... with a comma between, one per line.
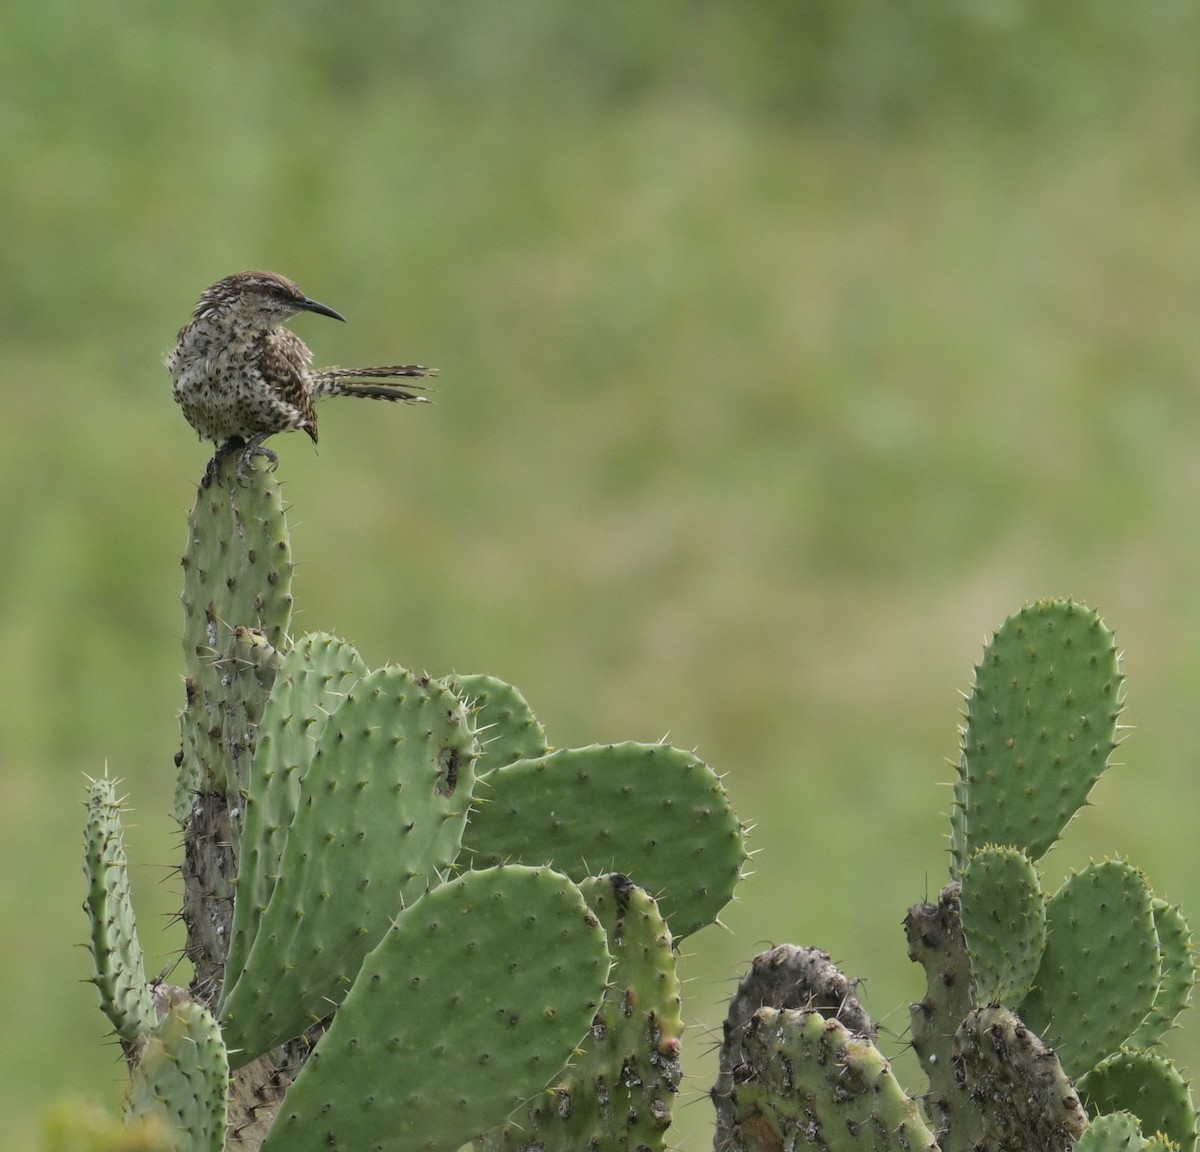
x=264, y=298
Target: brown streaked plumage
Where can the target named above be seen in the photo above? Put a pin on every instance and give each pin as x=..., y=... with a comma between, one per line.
x=240, y=376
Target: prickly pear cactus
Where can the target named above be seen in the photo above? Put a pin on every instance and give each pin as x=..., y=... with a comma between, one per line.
x=1099, y=969
x=652, y=812
x=120, y=973
x=469, y=1005
x=382, y=962
x=1100, y=972
x=1118, y=1132
x=505, y=724
x=237, y=573
x=1147, y=1085
x=1041, y=725
x=1004, y=922
x=808, y=1081
x=382, y=807
x=1024, y=1098
x=181, y=1077
x=237, y=605
x=619, y=1090
x=310, y=683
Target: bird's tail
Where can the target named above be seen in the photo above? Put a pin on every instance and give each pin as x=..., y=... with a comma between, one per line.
x=366, y=382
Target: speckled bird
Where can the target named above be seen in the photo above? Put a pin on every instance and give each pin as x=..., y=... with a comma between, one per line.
x=240, y=376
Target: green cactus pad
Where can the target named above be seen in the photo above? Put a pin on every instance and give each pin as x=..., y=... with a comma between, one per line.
x=382, y=809
x=1149, y=1086
x=183, y=1076
x=619, y=1090
x=471, y=1003
x=310, y=683
x=120, y=969
x=1024, y=1097
x=807, y=1081
x=237, y=572
x=1114, y=1132
x=1004, y=922
x=1177, y=978
x=1099, y=974
x=1041, y=724
x=936, y=942
x=504, y=723
x=650, y=811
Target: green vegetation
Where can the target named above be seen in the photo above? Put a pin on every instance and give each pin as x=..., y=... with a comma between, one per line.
x=784, y=348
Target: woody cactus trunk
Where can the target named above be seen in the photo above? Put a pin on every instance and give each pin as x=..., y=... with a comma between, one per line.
x=412, y=923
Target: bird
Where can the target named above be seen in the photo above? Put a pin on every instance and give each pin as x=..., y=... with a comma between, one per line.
x=240, y=376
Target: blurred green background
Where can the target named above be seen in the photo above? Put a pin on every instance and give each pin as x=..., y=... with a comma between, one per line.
x=786, y=347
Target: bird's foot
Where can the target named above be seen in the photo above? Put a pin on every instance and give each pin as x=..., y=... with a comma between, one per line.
x=253, y=448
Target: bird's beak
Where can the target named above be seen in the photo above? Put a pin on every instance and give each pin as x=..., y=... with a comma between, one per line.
x=322, y=309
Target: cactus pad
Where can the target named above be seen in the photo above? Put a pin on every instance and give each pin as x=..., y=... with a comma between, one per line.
x=471, y=1003
x=1150, y=1087
x=504, y=723
x=1114, y=1132
x=120, y=969
x=1004, y=922
x=310, y=683
x=1177, y=961
x=182, y=1075
x=650, y=811
x=619, y=1090
x=382, y=809
x=1041, y=724
x=1020, y=1089
x=809, y=1081
x=237, y=572
x=936, y=942
x=1099, y=974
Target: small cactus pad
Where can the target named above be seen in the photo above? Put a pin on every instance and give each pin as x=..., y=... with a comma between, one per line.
x=1099, y=974
x=1149, y=1086
x=237, y=572
x=310, y=683
x=120, y=970
x=1177, y=978
x=1004, y=921
x=936, y=942
x=471, y=1003
x=785, y=976
x=1041, y=724
x=1113, y=1132
x=1024, y=1096
x=183, y=1075
x=650, y=811
x=619, y=1090
x=808, y=1081
x=504, y=723
x=381, y=814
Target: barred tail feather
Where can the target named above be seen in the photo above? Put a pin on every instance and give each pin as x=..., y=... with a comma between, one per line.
x=372, y=392
x=362, y=382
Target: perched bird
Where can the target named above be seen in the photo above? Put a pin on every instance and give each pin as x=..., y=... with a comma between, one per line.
x=240, y=376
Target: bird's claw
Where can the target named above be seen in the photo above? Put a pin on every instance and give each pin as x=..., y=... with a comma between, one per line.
x=246, y=459
x=246, y=453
